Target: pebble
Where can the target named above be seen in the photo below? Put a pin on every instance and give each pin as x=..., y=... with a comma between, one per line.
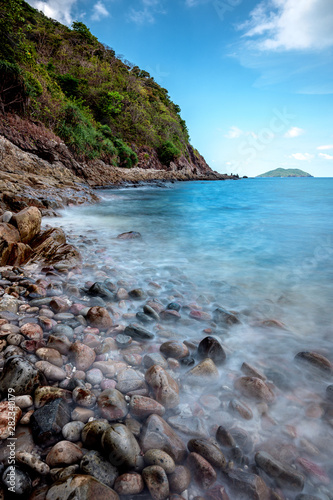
x=120, y=446
x=129, y=484
x=84, y=397
x=33, y=462
x=92, y=433
x=9, y=413
x=32, y=331
x=51, y=355
x=138, y=332
x=141, y=407
x=157, y=482
x=284, y=475
x=24, y=402
x=82, y=414
x=154, y=358
x=211, y=348
x=156, y=433
x=224, y=318
x=112, y=405
x=165, y=388
x=83, y=487
x=94, y=376
x=20, y=376
x=204, y=370
x=72, y=431
x=51, y=372
x=130, y=380
x=47, y=422
x=241, y=409
x=254, y=388
x=47, y=394
x=315, y=360
x=64, y=453
x=209, y=451
x=99, y=317
x=203, y=473
x=174, y=349
x=83, y=355
x=96, y=465
x=159, y=457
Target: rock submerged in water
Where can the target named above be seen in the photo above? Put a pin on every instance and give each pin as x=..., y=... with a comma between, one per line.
x=166, y=390
x=130, y=235
x=211, y=348
x=284, y=475
x=315, y=360
x=254, y=388
x=156, y=433
x=47, y=422
x=225, y=318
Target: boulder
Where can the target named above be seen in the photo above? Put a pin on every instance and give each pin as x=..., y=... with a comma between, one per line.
x=28, y=222
x=166, y=390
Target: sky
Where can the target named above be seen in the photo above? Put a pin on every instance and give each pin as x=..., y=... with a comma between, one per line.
x=254, y=79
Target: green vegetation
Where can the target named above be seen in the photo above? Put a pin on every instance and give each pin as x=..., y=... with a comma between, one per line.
x=101, y=106
x=285, y=172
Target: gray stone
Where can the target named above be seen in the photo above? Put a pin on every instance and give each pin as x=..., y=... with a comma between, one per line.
x=138, y=332
x=72, y=431
x=120, y=446
x=284, y=474
x=47, y=422
x=21, y=376
x=96, y=465
x=92, y=433
x=17, y=479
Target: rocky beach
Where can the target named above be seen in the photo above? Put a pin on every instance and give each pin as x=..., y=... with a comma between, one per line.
x=102, y=396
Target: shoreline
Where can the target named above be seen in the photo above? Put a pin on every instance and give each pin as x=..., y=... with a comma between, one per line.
x=97, y=364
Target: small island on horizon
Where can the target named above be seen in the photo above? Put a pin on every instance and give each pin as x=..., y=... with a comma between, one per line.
x=286, y=172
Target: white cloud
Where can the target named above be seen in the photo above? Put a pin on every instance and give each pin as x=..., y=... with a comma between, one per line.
x=294, y=132
x=325, y=156
x=148, y=12
x=99, y=11
x=61, y=10
x=291, y=24
x=302, y=156
x=328, y=146
x=234, y=133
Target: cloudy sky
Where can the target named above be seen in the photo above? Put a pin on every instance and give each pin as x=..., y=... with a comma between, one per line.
x=254, y=79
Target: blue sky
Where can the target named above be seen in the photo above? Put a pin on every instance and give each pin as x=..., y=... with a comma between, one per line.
x=254, y=79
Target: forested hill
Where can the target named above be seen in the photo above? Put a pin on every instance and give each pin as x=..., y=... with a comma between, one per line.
x=285, y=172
x=60, y=85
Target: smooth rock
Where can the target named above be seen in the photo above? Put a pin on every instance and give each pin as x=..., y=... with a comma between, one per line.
x=157, y=482
x=203, y=371
x=64, y=453
x=202, y=471
x=24, y=402
x=28, y=222
x=180, y=479
x=80, y=487
x=112, y=405
x=315, y=360
x=156, y=433
x=99, y=317
x=130, y=380
x=254, y=388
x=141, y=407
x=10, y=414
x=81, y=414
x=225, y=318
x=51, y=371
x=19, y=375
x=94, y=464
x=209, y=451
x=137, y=294
x=165, y=388
x=120, y=446
x=47, y=394
x=248, y=484
x=129, y=484
x=94, y=376
x=154, y=358
x=32, y=462
x=72, y=431
x=138, y=332
x=32, y=331
x=174, y=349
x=211, y=348
x=284, y=475
x=84, y=397
x=161, y=458
x=130, y=235
x=83, y=355
x=92, y=433
x=51, y=355
x=241, y=409
x=22, y=482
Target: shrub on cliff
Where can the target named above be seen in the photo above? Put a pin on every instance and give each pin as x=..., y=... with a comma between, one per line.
x=168, y=152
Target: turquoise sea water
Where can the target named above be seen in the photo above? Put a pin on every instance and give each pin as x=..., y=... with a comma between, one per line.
x=260, y=247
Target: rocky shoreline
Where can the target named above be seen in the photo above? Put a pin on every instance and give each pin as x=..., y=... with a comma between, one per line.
x=95, y=385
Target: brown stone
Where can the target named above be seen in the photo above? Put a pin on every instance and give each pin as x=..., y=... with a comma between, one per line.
x=156, y=433
x=255, y=388
x=51, y=355
x=142, y=407
x=28, y=222
x=64, y=453
x=166, y=390
x=112, y=405
x=99, y=317
x=81, y=487
x=180, y=479
x=203, y=473
x=10, y=414
x=174, y=349
x=129, y=484
x=83, y=355
x=156, y=481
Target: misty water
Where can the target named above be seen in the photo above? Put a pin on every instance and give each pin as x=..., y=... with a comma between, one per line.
x=262, y=248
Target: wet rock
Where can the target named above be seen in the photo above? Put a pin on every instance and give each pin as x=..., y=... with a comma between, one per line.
x=241, y=409
x=10, y=414
x=129, y=484
x=142, y=407
x=47, y=394
x=284, y=475
x=317, y=473
x=250, y=371
x=65, y=330
x=99, y=317
x=211, y=348
x=202, y=471
x=225, y=318
x=112, y=405
x=224, y=437
x=166, y=390
x=51, y=355
x=154, y=358
x=61, y=343
x=123, y=341
x=137, y=294
x=94, y=376
x=170, y=316
x=189, y=425
x=48, y=421
x=329, y=392
x=24, y=402
x=18, y=481
x=180, y=479
x=209, y=451
x=28, y=222
x=315, y=360
x=157, y=482
x=32, y=331
x=72, y=431
x=19, y=375
x=84, y=397
x=159, y=457
x=81, y=487
x=246, y=483
x=120, y=446
x=92, y=433
x=137, y=332
x=34, y=463
x=174, y=349
x=254, y=388
x=130, y=380
x=51, y=371
x=306, y=497
x=203, y=371
x=60, y=305
x=156, y=433
x=83, y=356
x=151, y=312
x=144, y=318
x=96, y=465
x=64, y=453
x=130, y=235
x=122, y=294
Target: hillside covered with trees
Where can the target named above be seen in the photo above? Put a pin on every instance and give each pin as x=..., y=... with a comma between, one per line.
x=61, y=84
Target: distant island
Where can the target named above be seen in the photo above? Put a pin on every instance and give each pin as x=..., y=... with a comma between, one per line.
x=286, y=172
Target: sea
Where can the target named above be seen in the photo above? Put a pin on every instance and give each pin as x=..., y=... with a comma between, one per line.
x=260, y=248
